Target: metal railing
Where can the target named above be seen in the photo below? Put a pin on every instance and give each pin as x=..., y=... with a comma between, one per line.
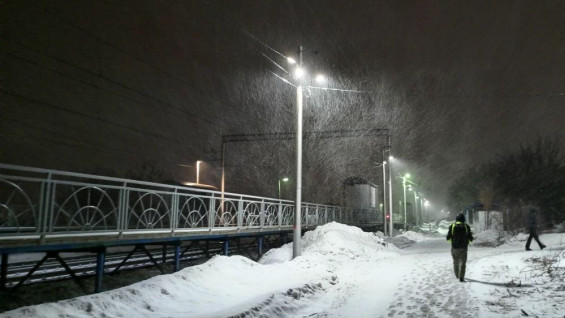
x=42, y=203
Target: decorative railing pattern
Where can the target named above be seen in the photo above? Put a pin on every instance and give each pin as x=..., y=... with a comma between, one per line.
x=47, y=202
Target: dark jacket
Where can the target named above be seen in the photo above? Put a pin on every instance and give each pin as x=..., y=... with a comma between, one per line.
x=459, y=235
x=531, y=223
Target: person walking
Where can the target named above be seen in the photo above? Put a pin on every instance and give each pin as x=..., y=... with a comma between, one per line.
x=531, y=226
x=460, y=236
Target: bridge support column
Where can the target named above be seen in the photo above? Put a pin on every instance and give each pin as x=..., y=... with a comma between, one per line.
x=3, y=271
x=226, y=247
x=164, y=254
x=100, y=260
x=260, y=241
x=177, y=258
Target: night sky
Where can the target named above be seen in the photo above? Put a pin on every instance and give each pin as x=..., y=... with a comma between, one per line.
x=124, y=88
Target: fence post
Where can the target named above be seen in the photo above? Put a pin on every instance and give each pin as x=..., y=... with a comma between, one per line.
x=46, y=208
x=174, y=210
x=123, y=209
x=212, y=212
x=279, y=216
x=262, y=214
x=240, y=212
x=42, y=212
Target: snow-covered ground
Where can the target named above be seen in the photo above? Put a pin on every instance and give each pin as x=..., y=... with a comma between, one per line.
x=344, y=272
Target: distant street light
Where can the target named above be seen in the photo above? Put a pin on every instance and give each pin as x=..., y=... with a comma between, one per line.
x=384, y=198
x=404, y=190
x=411, y=188
x=426, y=205
x=418, y=215
x=198, y=162
x=283, y=180
x=390, y=158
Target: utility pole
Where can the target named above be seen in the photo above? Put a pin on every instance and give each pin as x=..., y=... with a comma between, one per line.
x=297, y=234
x=384, y=198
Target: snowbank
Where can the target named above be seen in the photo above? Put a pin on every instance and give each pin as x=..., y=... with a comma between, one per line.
x=406, y=239
x=443, y=227
x=490, y=238
x=333, y=239
x=413, y=236
x=226, y=286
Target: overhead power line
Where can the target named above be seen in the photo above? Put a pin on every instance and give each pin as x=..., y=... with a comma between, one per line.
x=107, y=79
x=77, y=113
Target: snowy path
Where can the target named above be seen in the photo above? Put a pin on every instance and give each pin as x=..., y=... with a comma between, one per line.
x=420, y=283
x=417, y=283
x=430, y=289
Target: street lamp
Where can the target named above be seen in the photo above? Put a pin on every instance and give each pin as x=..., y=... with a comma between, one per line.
x=320, y=78
x=426, y=205
x=390, y=158
x=297, y=233
x=384, y=196
x=283, y=180
x=404, y=190
x=411, y=188
x=418, y=215
x=299, y=72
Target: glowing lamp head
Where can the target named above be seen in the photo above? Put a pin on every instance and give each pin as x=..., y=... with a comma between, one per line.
x=291, y=61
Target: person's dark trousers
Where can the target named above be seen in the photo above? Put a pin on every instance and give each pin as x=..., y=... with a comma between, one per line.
x=459, y=262
x=534, y=234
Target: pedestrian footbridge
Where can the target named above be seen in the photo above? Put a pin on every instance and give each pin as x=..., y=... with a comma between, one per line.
x=52, y=212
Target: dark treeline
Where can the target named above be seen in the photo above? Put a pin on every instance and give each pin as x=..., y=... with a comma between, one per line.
x=532, y=176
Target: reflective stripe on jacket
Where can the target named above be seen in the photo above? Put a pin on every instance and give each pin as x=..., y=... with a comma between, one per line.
x=459, y=235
